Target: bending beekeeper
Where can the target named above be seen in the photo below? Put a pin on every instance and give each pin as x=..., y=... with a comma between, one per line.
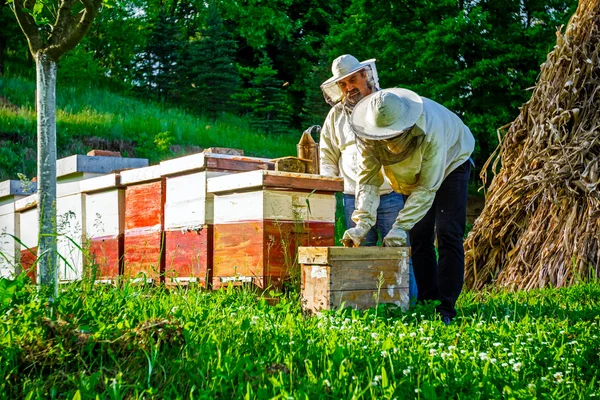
x=352, y=81
x=424, y=150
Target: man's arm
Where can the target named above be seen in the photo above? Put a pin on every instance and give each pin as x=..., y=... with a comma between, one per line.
x=329, y=151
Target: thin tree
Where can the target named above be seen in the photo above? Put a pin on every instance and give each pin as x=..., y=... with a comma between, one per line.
x=48, y=42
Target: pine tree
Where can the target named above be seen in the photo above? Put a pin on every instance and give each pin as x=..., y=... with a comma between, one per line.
x=158, y=63
x=265, y=98
x=210, y=75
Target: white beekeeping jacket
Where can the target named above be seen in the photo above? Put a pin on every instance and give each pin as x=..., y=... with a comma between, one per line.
x=448, y=143
x=338, y=153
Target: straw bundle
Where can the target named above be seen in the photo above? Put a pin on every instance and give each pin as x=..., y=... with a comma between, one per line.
x=540, y=225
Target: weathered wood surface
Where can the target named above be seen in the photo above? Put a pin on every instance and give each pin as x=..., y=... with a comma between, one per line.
x=359, y=277
x=105, y=225
x=28, y=233
x=263, y=252
x=189, y=256
x=274, y=179
x=144, y=222
x=274, y=205
x=216, y=162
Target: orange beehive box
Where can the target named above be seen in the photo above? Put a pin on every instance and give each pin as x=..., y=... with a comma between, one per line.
x=189, y=212
x=144, y=224
x=261, y=217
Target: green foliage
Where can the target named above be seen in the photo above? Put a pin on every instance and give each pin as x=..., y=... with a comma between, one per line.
x=137, y=342
x=207, y=70
x=265, y=99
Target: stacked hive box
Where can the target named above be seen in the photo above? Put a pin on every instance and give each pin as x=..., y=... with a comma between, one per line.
x=261, y=217
x=28, y=231
x=10, y=191
x=104, y=203
x=70, y=206
x=189, y=212
x=359, y=277
x=144, y=257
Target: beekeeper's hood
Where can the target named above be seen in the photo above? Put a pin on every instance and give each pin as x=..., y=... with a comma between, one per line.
x=342, y=67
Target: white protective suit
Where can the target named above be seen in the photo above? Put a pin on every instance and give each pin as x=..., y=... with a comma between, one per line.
x=448, y=143
x=338, y=152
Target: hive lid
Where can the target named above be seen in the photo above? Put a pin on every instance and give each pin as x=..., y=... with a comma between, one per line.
x=274, y=180
x=212, y=161
x=95, y=164
x=103, y=182
x=16, y=188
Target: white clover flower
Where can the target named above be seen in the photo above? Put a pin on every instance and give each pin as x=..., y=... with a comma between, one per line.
x=417, y=390
x=353, y=377
x=406, y=371
x=384, y=353
x=493, y=360
x=511, y=361
x=374, y=335
x=440, y=344
x=483, y=355
x=377, y=378
x=402, y=335
x=310, y=341
x=496, y=344
x=364, y=347
x=517, y=366
x=432, y=351
x=413, y=334
x=531, y=386
x=451, y=347
x=463, y=351
x=326, y=381
x=505, y=365
x=558, y=376
x=506, y=349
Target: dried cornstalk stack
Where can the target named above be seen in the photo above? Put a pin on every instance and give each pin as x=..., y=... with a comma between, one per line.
x=541, y=224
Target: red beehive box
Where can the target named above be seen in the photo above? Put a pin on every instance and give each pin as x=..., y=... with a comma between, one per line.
x=144, y=224
x=261, y=218
x=189, y=212
x=104, y=225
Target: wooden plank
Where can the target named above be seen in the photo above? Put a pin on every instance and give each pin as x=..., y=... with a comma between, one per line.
x=189, y=254
x=365, y=275
x=106, y=255
x=143, y=255
x=274, y=179
x=139, y=175
x=212, y=161
x=307, y=255
x=104, y=182
x=144, y=205
x=364, y=299
x=238, y=164
x=315, y=287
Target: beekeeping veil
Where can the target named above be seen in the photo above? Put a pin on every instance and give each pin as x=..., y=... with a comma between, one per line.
x=385, y=125
x=342, y=67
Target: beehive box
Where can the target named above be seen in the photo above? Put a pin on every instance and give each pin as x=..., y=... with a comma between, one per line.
x=79, y=167
x=189, y=212
x=104, y=225
x=360, y=277
x=144, y=224
x=70, y=227
x=10, y=192
x=28, y=231
x=261, y=217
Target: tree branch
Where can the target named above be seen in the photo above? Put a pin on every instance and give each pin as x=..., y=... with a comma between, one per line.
x=63, y=20
x=28, y=26
x=72, y=35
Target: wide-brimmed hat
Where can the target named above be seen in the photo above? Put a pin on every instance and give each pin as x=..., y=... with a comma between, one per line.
x=386, y=113
x=344, y=66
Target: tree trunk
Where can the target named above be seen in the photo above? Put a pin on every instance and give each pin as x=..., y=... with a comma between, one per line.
x=46, y=176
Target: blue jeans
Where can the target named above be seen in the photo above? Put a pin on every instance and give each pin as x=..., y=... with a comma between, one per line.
x=389, y=207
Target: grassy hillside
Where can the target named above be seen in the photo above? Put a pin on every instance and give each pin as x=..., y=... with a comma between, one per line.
x=145, y=343
x=92, y=118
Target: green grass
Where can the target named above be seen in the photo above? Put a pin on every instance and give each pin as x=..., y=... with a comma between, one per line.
x=148, y=343
x=89, y=116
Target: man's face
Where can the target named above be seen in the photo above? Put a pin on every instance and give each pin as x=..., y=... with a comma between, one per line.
x=355, y=87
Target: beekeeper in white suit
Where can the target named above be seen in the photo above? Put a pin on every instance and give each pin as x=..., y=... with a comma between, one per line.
x=352, y=81
x=424, y=150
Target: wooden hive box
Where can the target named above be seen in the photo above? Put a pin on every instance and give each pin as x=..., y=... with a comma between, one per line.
x=144, y=224
x=28, y=232
x=359, y=277
x=104, y=203
x=10, y=192
x=79, y=167
x=189, y=212
x=261, y=218
x=70, y=227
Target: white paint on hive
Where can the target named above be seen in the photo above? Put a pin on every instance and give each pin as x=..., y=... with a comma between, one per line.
x=140, y=175
x=318, y=272
x=70, y=226
x=104, y=213
x=273, y=205
x=9, y=247
x=188, y=204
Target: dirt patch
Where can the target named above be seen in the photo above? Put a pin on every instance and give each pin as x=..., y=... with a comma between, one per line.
x=7, y=104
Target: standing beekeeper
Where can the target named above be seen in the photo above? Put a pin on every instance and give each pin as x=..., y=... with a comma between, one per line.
x=425, y=151
x=352, y=81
